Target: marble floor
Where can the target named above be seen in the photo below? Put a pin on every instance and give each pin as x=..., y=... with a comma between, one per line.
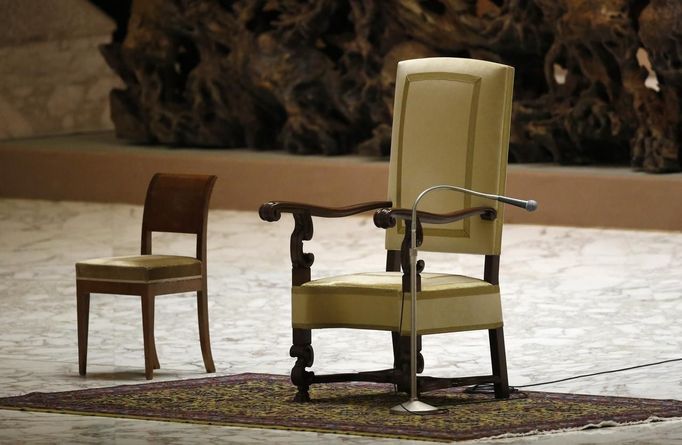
x=575, y=301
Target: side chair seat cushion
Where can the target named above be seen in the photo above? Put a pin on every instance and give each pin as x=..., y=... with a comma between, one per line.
x=139, y=268
x=446, y=303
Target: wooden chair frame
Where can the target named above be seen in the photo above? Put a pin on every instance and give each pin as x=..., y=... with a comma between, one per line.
x=163, y=217
x=385, y=217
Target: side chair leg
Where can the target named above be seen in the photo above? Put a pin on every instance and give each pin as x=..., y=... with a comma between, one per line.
x=303, y=351
x=499, y=362
x=204, y=336
x=155, y=357
x=148, y=334
x=83, y=317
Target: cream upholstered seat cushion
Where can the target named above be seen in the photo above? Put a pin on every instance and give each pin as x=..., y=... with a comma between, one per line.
x=139, y=268
x=446, y=303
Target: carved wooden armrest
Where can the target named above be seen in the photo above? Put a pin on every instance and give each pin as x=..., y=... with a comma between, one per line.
x=386, y=218
x=303, y=228
x=272, y=211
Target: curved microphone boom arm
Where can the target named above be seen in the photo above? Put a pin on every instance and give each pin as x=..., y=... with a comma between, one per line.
x=414, y=406
x=530, y=205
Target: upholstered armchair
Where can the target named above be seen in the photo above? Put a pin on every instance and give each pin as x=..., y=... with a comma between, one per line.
x=451, y=122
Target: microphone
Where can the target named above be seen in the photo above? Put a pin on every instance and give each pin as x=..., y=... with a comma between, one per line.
x=529, y=205
x=414, y=403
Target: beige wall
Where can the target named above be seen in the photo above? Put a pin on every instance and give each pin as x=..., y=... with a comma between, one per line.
x=53, y=79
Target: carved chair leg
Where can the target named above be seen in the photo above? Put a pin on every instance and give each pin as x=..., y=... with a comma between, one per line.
x=83, y=317
x=302, y=350
x=401, y=360
x=148, y=334
x=397, y=357
x=499, y=362
x=204, y=337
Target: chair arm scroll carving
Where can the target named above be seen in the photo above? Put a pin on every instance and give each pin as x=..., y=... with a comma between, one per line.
x=405, y=254
x=303, y=229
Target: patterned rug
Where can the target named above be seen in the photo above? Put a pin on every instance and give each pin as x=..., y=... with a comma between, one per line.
x=264, y=401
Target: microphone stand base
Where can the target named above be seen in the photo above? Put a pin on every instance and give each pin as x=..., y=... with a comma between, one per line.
x=416, y=407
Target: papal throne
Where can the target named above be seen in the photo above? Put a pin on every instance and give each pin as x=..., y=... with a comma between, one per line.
x=451, y=122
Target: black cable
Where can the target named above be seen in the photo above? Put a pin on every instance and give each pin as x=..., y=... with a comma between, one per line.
x=486, y=388
x=600, y=373
x=399, y=350
x=400, y=325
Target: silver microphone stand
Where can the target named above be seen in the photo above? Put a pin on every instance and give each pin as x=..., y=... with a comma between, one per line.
x=414, y=406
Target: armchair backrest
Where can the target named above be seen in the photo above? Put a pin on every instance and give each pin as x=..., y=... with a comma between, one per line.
x=177, y=203
x=451, y=120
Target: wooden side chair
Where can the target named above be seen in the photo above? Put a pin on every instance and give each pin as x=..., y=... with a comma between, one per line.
x=174, y=203
x=451, y=121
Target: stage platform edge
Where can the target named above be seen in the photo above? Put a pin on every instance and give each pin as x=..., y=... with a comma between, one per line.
x=99, y=168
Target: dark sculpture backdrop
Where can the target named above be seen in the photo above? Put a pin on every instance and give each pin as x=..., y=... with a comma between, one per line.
x=317, y=76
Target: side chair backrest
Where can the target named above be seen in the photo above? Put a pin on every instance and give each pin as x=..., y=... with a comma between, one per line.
x=451, y=122
x=177, y=203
